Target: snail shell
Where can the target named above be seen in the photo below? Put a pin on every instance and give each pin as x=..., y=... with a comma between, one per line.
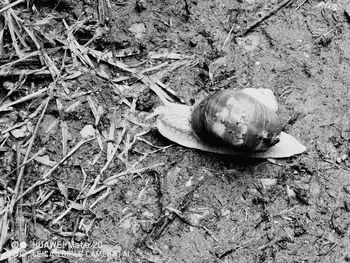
x=188, y=126
x=244, y=119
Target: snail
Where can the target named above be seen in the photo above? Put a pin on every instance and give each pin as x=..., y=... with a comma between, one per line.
x=237, y=122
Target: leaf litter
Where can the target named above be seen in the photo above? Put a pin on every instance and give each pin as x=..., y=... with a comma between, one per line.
x=80, y=162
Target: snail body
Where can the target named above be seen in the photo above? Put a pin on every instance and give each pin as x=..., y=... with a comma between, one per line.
x=237, y=122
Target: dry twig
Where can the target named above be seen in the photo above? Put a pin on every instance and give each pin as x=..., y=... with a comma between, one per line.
x=263, y=18
x=75, y=148
x=34, y=95
x=113, y=179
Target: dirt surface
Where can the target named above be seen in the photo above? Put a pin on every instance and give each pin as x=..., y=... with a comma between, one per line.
x=126, y=194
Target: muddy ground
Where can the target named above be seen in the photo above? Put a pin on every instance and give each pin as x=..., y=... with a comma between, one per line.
x=173, y=204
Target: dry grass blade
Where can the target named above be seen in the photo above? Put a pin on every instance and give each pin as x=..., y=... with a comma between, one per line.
x=25, y=57
x=18, y=125
x=34, y=95
x=108, y=58
x=83, y=187
x=146, y=80
x=16, y=86
x=155, y=88
x=11, y=253
x=11, y=5
x=25, y=72
x=169, y=55
x=40, y=152
x=110, y=145
x=156, y=67
x=50, y=64
x=100, y=198
x=113, y=179
x=48, y=61
x=31, y=142
x=228, y=37
x=21, y=172
x=100, y=139
x=116, y=147
x=17, y=25
x=2, y=31
x=64, y=128
x=55, y=221
x=95, y=191
x=4, y=227
x=31, y=188
x=76, y=48
x=96, y=111
x=303, y=2
x=102, y=12
x=12, y=33
x=75, y=148
x=31, y=116
x=93, y=187
x=72, y=205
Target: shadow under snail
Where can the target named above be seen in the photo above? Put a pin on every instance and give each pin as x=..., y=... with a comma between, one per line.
x=238, y=122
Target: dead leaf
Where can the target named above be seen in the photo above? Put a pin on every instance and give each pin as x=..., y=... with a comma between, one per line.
x=138, y=29
x=39, y=231
x=76, y=206
x=63, y=190
x=268, y=182
x=74, y=75
x=45, y=159
x=24, y=131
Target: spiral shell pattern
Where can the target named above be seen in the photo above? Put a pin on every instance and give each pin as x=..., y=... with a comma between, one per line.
x=244, y=119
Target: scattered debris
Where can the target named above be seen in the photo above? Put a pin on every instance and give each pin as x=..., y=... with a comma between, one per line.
x=138, y=29
x=268, y=182
x=24, y=131
x=248, y=43
x=196, y=215
x=81, y=163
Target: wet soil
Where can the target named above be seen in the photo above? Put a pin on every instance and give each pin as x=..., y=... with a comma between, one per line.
x=197, y=206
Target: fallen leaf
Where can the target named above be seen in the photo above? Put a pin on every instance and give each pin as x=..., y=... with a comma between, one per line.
x=138, y=29
x=268, y=182
x=63, y=189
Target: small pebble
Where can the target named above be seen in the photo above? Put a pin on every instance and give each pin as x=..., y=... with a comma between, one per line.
x=290, y=191
x=128, y=197
x=87, y=131
x=147, y=214
x=138, y=29
x=268, y=182
x=146, y=225
x=344, y=157
x=225, y=212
